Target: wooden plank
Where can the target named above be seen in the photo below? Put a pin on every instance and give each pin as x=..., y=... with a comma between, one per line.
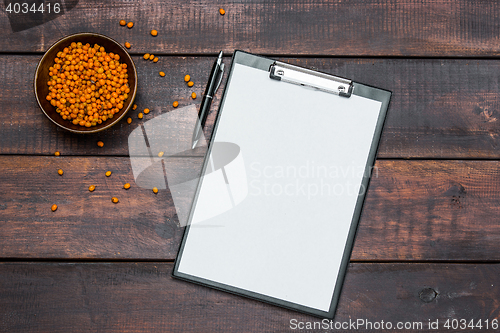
x=86, y=224
x=28, y=131
x=143, y=297
x=408, y=28
x=440, y=108
x=430, y=210
x=414, y=210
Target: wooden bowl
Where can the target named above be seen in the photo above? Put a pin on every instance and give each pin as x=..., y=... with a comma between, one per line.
x=42, y=77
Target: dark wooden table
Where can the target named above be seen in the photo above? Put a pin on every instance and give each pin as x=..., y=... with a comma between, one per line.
x=427, y=247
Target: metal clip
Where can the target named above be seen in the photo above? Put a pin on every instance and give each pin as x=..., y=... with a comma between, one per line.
x=220, y=76
x=306, y=77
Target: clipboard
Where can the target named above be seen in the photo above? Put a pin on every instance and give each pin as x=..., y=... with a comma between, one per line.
x=286, y=172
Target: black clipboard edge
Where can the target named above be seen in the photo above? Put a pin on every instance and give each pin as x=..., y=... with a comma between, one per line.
x=362, y=90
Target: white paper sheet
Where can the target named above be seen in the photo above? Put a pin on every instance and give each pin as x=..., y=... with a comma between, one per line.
x=304, y=152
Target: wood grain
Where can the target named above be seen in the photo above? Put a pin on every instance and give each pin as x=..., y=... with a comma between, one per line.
x=414, y=210
x=371, y=28
x=143, y=297
x=439, y=109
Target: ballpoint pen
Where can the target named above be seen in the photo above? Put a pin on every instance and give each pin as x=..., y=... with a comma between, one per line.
x=214, y=81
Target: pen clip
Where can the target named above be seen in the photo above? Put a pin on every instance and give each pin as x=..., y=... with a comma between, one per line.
x=220, y=79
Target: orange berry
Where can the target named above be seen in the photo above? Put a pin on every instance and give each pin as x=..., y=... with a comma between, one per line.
x=140, y=115
x=154, y=32
x=91, y=188
x=175, y=104
x=54, y=208
x=130, y=25
x=134, y=107
x=60, y=172
x=155, y=190
x=57, y=153
x=190, y=83
x=146, y=56
x=187, y=78
x=114, y=200
x=162, y=74
x=127, y=45
x=146, y=111
x=123, y=22
x=129, y=120
x=222, y=11
x=155, y=59
x=100, y=143
x=193, y=95
x=126, y=186
x=108, y=173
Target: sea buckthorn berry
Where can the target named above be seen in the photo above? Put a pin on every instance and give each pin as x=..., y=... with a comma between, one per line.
x=57, y=153
x=155, y=190
x=130, y=25
x=193, y=95
x=114, y=200
x=127, y=45
x=155, y=59
x=100, y=144
x=140, y=115
x=108, y=173
x=187, y=78
x=162, y=74
x=175, y=104
x=190, y=83
x=54, y=208
x=151, y=56
x=123, y=22
x=134, y=107
x=91, y=188
x=154, y=33
x=160, y=154
x=60, y=172
x=126, y=186
x=222, y=11
x=146, y=56
x=146, y=111
x=88, y=85
x=129, y=120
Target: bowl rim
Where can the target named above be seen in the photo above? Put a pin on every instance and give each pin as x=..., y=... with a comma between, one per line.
x=91, y=34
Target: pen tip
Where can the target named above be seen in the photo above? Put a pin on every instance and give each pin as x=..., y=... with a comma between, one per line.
x=220, y=54
x=194, y=144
